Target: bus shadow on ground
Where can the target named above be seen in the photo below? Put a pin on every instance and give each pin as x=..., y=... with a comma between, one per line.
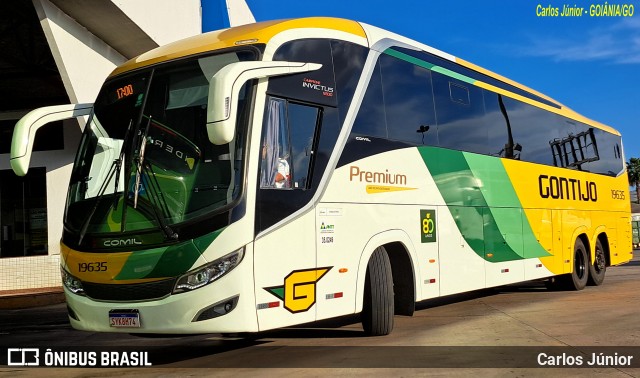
x=333, y=328
x=235, y=351
x=218, y=350
x=454, y=298
x=630, y=263
x=524, y=287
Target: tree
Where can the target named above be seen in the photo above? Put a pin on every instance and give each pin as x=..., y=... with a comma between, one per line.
x=633, y=171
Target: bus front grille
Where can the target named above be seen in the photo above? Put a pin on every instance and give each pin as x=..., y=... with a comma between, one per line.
x=131, y=292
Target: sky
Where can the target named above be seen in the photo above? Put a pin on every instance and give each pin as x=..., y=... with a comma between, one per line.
x=590, y=64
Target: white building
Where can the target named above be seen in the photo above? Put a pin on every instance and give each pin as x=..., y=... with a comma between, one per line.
x=60, y=51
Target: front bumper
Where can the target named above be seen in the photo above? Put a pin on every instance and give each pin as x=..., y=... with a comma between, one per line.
x=178, y=313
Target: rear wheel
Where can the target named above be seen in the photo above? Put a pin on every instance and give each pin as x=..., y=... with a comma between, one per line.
x=378, y=308
x=577, y=279
x=598, y=268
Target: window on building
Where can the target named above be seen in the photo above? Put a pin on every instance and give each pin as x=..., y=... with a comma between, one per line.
x=23, y=213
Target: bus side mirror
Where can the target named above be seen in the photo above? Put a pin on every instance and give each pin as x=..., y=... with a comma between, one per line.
x=224, y=89
x=25, y=131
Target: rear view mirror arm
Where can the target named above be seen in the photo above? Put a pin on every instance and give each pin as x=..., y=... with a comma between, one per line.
x=224, y=89
x=25, y=131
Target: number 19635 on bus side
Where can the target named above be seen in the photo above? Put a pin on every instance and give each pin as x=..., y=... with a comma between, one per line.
x=617, y=194
x=98, y=266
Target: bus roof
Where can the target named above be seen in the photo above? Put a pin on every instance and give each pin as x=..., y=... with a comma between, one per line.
x=263, y=32
x=260, y=32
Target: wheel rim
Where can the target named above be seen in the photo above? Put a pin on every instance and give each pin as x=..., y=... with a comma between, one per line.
x=600, y=261
x=580, y=266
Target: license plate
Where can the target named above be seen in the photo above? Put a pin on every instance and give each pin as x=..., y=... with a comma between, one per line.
x=124, y=318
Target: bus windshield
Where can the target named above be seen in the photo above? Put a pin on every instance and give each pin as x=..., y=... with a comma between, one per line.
x=145, y=160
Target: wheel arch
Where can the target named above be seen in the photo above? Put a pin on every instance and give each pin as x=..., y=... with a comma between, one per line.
x=585, y=240
x=604, y=241
x=578, y=233
x=402, y=256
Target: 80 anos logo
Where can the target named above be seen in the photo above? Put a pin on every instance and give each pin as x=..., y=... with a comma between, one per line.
x=428, y=226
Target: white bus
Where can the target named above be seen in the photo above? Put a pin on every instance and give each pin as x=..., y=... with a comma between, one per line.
x=289, y=171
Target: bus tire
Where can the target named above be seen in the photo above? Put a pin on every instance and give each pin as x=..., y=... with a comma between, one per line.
x=598, y=268
x=378, y=307
x=577, y=279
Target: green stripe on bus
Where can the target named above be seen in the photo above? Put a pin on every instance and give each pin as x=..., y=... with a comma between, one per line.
x=409, y=58
x=491, y=174
x=159, y=262
x=505, y=205
x=203, y=242
x=454, y=75
x=429, y=66
x=166, y=261
x=491, y=222
x=140, y=264
x=176, y=260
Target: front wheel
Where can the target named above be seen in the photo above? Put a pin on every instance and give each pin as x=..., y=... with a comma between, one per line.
x=378, y=307
x=598, y=268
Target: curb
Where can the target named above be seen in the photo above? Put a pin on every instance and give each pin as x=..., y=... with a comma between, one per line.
x=16, y=299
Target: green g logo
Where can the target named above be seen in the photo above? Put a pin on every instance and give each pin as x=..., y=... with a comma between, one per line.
x=428, y=226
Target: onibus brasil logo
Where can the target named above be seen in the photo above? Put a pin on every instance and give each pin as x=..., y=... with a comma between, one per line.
x=299, y=290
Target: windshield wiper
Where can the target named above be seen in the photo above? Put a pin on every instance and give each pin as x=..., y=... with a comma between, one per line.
x=140, y=162
x=157, y=201
x=118, y=163
x=153, y=188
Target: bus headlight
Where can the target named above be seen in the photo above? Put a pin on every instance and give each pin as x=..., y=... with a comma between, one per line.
x=70, y=282
x=208, y=273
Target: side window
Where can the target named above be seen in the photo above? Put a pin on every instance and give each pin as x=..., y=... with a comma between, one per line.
x=534, y=130
x=499, y=136
x=302, y=125
x=408, y=98
x=288, y=145
x=608, y=150
x=371, y=120
x=460, y=113
x=398, y=104
x=348, y=62
x=574, y=147
x=317, y=86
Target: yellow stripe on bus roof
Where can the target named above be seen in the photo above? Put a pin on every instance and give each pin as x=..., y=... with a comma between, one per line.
x=494, y=75
x=565, y=111
x=260, y=32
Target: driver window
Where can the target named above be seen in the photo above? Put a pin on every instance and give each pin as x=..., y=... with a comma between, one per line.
x=287, y=145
